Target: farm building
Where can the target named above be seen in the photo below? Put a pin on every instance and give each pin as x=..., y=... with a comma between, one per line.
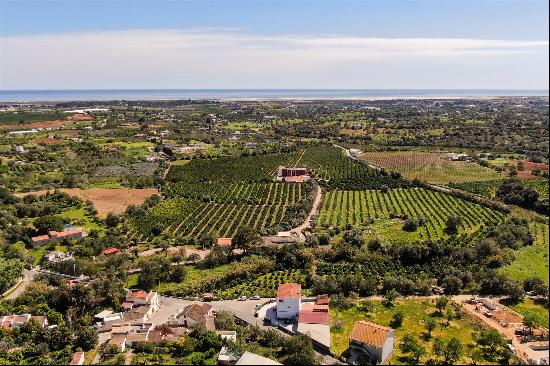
x=110, y=251
x=225, y=242
x=55, y=236
x=372, y=340
x=195, y=313
x=297, y=175
x=288, y=300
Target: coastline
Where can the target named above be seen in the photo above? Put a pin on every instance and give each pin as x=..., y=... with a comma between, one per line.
x=283, y=99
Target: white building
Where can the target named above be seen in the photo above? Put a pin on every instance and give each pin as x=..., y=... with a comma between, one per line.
x=57, y=257
x=140, y=297
x=372, y=340
x=288, y=300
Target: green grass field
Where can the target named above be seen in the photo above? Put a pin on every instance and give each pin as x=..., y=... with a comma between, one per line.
x=531, y=261
x=528, y=306
x=416, y=312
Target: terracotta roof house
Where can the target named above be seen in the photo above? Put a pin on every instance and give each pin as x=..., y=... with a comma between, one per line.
x=78, y=358
x=225, y=242
x=139, y=297
x=288, y=300
x=373, y=340
x=297, y=175
x=55, y=236
x=133, y=338
x=10, y=322
x=314, y=314
x=110, y=251
x=119, y=342
x=196, y=313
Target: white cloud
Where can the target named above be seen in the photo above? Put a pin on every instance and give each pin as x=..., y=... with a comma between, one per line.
x=210, y=57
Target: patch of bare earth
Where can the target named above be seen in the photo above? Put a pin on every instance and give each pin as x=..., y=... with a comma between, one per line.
x=49, y=124
x=106, y=200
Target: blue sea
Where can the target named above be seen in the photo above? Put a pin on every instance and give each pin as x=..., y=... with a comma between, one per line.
x=243, y=94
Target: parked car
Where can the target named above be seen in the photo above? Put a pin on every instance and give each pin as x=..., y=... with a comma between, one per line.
x=255, y=297
x=242, y=298
x=521, y=332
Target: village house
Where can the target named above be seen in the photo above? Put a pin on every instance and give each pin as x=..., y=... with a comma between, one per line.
x=288, y=300
x=106, y=318
x=372, y=340
x=139, y=297
x=110, y=251
x=193, y=314
x=119, y=342
x=225, y=242
x=58, y=257
x=56, y=236
x=296, y=175
x=10, y=322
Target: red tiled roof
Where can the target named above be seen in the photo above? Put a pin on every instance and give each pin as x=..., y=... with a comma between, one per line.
x=223, y=242
x=322, y=300
x=40, y=238
x=138, y=294
x=313, y=317
x=293, y=290
x=109, y=251
x=314, y=308
x=78, y=358
x=370, y=333
x=196, y=311
x=64, y=233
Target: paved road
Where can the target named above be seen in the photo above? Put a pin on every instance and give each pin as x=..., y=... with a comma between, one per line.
x=28, y=275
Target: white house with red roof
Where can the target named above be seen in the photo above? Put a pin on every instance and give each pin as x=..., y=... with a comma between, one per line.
x=55, y=236
x=373, y=340
x=142, y=298
x=288, y=300
x=10, y=322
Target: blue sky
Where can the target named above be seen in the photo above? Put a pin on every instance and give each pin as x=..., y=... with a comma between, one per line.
x=273, y=44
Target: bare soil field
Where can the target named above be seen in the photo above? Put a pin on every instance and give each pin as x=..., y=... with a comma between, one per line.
x=107, y=199
x=430, y=167
x=49, y=124
x=48, y=141
x=528, y=169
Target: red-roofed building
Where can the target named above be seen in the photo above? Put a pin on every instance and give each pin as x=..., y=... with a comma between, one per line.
x=373, y=340
x=225, y=242
x=78, y=359
x=10, y=322
x=288, y=300
x=55, y=236
x=110, y=251
x=322, y=300
x=139, y=297
x=297, y=175
x=313, y=317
